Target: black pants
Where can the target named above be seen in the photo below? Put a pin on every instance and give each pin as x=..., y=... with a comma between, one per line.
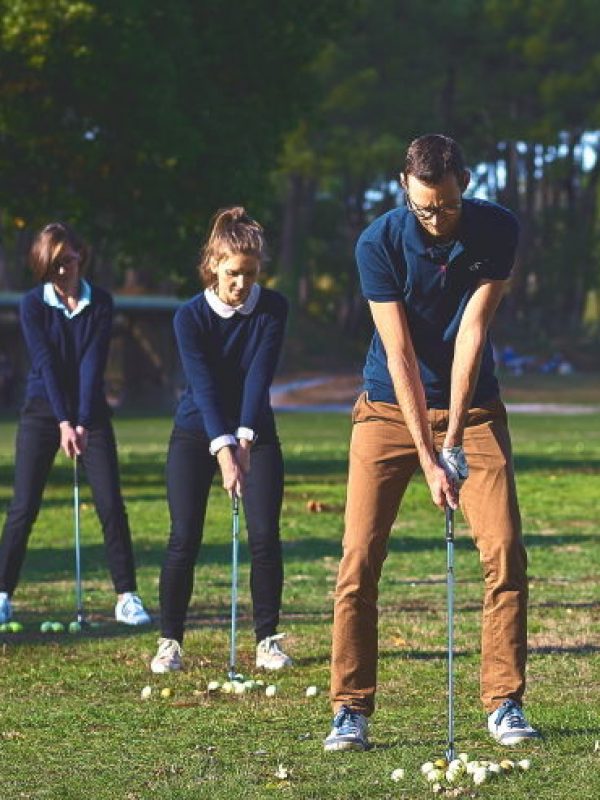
x=38, y=440
x=190, y=470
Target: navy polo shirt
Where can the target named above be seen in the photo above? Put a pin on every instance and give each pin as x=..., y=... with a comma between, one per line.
x=398, y=261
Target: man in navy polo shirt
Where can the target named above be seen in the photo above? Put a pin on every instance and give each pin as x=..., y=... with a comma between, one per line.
x=434, y=273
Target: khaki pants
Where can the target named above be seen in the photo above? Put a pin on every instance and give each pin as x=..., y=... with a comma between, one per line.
x=382, y=462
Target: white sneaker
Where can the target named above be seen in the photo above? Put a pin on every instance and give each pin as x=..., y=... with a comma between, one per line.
x=270, y=656
x=131, y=611
x=5, y=608
x=508, y=725
x=168, y=656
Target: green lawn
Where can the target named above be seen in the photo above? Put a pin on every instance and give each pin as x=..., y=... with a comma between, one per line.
x=72, y=724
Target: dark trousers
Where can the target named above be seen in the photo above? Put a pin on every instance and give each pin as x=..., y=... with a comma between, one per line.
x=190, y=471
x=38, y=440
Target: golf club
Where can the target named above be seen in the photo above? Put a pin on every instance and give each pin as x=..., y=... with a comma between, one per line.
x=450, y=752
x=78, y=594
x=235, y=543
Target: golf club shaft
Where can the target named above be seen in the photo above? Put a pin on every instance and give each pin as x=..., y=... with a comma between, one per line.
x=450, y=585
x=78, y=592
x=235, y=541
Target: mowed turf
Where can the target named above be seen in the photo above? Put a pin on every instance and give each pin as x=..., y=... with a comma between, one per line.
x=73, y=725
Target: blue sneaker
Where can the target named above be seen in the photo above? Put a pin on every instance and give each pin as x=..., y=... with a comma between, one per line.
x=349, y=731
x=508, y=725
x=5, y=608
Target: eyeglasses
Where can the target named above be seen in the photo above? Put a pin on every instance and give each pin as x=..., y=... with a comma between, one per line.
x=428, y=212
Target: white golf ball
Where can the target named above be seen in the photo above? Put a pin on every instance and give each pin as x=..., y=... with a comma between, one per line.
x=437, y=788
x=472, y=766
x=227, y=687
x=238, y=687
x=271, y=690
x=435, y=775
x=480, y=776
x=426, y=767
x=146, y=692
x=213, y=686
x=312, y=691
x=524, y=764
x=464, y=757
x=495, y=769
x=259, y=682
x=397, y=774
x=250, y=685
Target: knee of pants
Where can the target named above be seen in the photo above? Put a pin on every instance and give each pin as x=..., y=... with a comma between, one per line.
x=505, y=562
x=360, y=570
x=265, y=546
x=111, y=514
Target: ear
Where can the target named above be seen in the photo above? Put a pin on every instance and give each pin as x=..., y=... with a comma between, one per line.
x=466, y=180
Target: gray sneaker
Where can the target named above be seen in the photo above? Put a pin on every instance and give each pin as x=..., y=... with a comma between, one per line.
x=508, y=724
x=349, y=731
x=168, y=656
x=5, y=608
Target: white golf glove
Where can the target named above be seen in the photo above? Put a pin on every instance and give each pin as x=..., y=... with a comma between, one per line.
x=454, y=462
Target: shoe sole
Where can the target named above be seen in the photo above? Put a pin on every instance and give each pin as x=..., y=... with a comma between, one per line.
x=340, y=746
x=517, y=739
x=274, y=669
x=159, y=669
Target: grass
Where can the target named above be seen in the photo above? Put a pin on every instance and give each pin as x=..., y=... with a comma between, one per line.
x=73, y=726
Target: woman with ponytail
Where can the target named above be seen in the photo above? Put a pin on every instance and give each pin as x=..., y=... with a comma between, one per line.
x=229, y=338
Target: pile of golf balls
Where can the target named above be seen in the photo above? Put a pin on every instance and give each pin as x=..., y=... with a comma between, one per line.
x=11, y=627
x=442, y=775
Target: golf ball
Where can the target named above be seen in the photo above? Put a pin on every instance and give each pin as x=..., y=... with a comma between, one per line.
x=271, y=690
x=249, y=685
x=238, y=687
x=435, y=775
x=464, y=757
x=146, y=692
x=397, y=774
x=426, y=767
x=213, y=686
x=524, y=764
x=166, y=692
x=495, y=769
x=46, y=626
x=312, y=691
x=74, y=627
x=480, y=776
x=3, y=627
x=437, y=788
x=58, y=627
x=15, y=627
x=507, y=764
x=227, y=687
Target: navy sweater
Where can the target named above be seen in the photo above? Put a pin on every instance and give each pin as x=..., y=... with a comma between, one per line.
x=68, y=356
x=229, y=364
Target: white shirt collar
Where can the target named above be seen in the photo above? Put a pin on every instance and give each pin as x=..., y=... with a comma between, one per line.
x=226, y=311
x=85, y=298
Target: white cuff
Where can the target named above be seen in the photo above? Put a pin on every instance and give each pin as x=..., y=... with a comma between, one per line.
x=245, y=433
x=225, y=440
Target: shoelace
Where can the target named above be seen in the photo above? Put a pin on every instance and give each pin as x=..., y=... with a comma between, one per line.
x=169, y=648
x=134, y=601
x=272, y=645
x=514, y=716
x=348, y=723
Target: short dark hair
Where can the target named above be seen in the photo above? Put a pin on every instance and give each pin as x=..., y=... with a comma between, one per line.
x=47, y=247
x=432, y=156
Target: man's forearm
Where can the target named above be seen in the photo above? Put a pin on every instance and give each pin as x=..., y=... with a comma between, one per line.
x=465, y=370
x=410, y=395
